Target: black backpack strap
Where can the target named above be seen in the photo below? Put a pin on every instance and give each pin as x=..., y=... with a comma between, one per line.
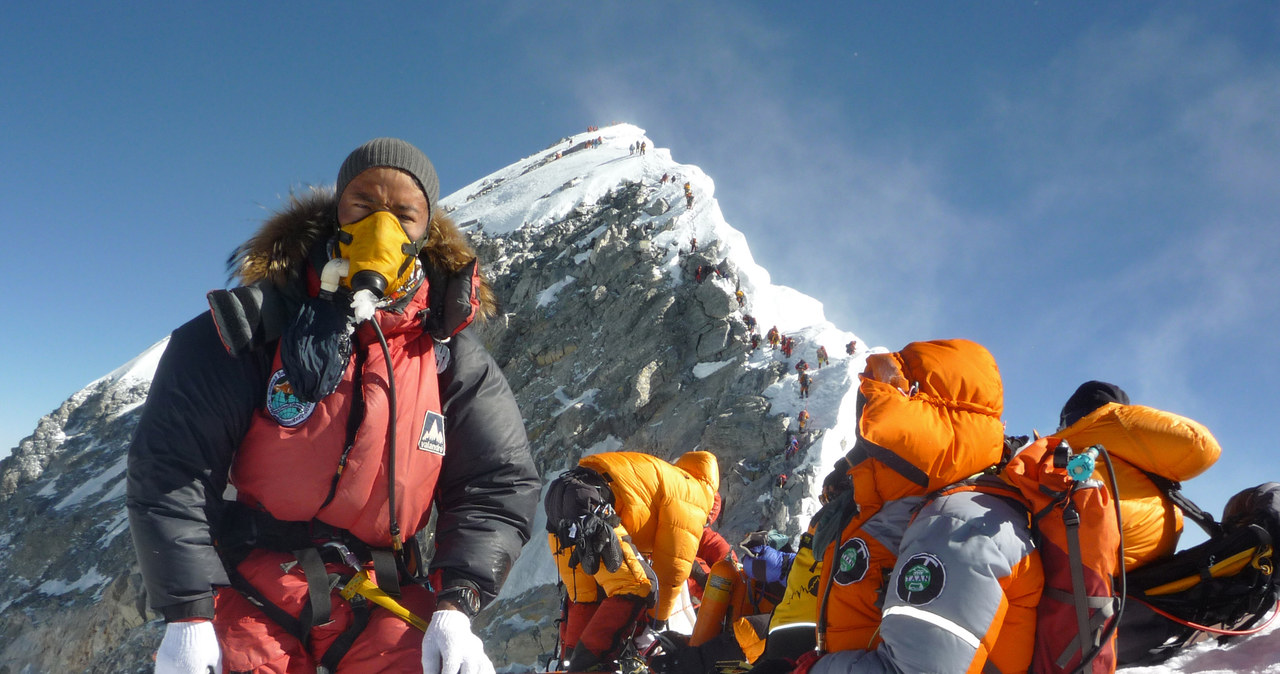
x=1173, y=491
x=1071, y=519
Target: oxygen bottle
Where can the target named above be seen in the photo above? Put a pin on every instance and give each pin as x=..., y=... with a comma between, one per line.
x=723, y=582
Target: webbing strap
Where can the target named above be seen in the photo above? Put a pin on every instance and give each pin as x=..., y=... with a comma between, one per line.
x=317, y=611
x=319, y=607
x=1100, y=603
x=388, y=573
x=360, y=613
x=1173, y=491
x=1106, y=609
x=1071, y=519
x=281, y=617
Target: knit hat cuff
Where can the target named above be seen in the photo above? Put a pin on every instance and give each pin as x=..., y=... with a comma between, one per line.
x=392, y=153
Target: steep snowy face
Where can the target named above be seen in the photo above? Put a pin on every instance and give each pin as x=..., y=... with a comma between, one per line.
x=620, y=328
x=549, y=187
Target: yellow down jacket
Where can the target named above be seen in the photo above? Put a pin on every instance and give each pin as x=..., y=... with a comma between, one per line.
x=1146, y=440
x=663, y=508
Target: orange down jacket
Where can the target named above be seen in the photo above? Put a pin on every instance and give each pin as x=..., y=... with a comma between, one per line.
x=1145, y=440
x=929, y=416
x=663, y=508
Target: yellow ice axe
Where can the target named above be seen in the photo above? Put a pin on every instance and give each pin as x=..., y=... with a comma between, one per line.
x=361, y=584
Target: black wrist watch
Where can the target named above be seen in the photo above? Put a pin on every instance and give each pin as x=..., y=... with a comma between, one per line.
x=465, y=598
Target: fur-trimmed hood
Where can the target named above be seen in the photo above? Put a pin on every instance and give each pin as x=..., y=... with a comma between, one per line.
x=280, y=251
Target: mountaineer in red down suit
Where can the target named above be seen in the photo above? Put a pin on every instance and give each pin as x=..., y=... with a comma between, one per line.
x=340, y=394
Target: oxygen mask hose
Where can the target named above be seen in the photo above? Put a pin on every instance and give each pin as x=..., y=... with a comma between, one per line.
x=393, y=524
x=364, y=305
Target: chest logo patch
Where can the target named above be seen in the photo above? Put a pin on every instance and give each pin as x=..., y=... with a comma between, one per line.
x=921, y=579
x=283, y=406
x=432, y=438
x=853, y=560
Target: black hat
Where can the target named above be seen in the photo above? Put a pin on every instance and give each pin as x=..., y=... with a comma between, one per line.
x=1090, y=396
x=393, y=153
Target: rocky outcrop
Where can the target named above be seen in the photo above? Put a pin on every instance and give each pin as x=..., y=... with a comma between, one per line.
x=69, y=593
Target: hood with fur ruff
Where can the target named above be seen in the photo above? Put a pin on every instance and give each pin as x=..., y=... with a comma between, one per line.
x=279, y=253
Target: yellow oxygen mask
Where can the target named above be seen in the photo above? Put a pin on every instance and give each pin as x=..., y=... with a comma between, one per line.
x=379, y=252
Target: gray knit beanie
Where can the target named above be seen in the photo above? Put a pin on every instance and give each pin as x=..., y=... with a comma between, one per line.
x=393, y=153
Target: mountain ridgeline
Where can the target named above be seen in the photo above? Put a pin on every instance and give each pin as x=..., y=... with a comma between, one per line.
x=614, y=333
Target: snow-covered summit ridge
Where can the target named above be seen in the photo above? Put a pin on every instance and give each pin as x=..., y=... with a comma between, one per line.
x=542, y=189
x=141, y=368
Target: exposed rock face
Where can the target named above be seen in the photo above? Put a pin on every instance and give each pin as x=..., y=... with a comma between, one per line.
x=69, y=589
x=605, y=337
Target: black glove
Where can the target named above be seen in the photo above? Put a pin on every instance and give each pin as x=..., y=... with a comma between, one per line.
x=594, y=544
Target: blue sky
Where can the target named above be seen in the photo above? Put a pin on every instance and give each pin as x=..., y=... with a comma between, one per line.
x=1088, y=189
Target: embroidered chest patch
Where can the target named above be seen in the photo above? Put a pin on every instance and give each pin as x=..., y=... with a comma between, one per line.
x=853, y=560
x=921, y=579
x=432, y=438
x=283, y=406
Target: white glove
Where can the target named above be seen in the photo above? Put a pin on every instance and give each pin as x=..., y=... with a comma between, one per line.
x=189, y=648
x=449, y=647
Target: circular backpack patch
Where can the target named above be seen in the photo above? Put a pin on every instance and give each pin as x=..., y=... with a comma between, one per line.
x=283, y=406
x=921, y=579
x=853, y=560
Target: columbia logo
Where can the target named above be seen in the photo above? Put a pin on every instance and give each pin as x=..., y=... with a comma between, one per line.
x=432, y=439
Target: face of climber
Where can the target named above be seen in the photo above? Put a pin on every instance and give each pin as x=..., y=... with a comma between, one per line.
x=385, y=189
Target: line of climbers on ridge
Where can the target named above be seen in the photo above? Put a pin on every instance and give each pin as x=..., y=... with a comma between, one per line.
x=786, y=345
